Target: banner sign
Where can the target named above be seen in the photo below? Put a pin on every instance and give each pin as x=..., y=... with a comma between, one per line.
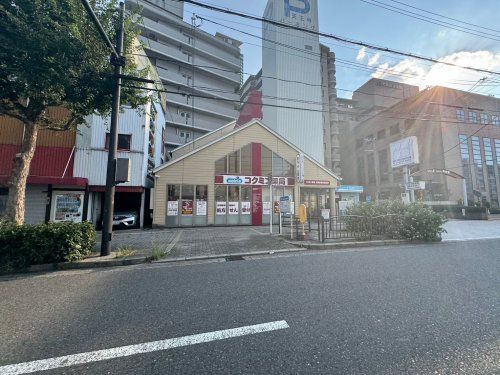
x=299, y=167
x=253, y=180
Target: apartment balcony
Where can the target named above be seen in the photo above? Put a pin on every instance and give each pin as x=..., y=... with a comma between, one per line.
x=176, y=78
x=200, y=124
x=210, y=106
x=172, y=33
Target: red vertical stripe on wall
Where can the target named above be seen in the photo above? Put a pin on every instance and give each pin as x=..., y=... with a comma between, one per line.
x=256, y=190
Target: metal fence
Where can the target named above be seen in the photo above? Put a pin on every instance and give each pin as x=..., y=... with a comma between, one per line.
x=339, y=227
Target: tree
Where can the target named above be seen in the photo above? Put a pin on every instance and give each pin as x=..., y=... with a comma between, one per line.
x=52, y=55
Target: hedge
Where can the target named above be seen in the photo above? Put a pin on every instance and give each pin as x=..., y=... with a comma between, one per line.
x=399, y=221
x=24, y=245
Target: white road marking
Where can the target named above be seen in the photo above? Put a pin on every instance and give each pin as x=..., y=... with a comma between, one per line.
x=147, y=347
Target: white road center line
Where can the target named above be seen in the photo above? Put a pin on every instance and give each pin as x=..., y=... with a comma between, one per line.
x=147, y=347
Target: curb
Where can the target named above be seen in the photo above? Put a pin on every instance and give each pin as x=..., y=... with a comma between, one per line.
x=79, y=265
x=298, y=247
x=351, y=244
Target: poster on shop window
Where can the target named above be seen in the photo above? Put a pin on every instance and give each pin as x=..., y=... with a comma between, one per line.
x=220, y=208
x=233, y=208
x=246, y=208
x=172, y=208
x=187, y=207
x=266, y=208
x=201, y=207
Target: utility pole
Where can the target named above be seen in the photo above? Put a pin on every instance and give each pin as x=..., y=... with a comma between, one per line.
x=109, y=195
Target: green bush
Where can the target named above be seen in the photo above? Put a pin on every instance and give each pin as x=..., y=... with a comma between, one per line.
x=24, y=245
x=395, y=220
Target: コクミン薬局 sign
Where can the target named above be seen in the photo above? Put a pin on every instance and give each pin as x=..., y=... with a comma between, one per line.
x=252, y=180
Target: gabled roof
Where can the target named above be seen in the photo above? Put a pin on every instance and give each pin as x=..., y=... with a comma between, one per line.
x=247, y=125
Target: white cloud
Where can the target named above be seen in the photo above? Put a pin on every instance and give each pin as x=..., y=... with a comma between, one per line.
x=424, y=74
x=361, y=54
x=374, y=59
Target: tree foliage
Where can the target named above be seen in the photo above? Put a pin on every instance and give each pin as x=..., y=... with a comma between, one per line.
x=51, y=54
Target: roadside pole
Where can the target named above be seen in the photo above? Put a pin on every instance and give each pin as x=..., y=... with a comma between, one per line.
x=109, y=195
x=464, y=189
x=271, y=212
x=406, y=178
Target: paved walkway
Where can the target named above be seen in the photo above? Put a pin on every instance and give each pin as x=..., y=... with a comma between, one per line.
x=471, y=229
x=189, y=242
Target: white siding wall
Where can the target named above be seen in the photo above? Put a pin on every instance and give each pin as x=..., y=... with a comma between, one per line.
x=91, y=159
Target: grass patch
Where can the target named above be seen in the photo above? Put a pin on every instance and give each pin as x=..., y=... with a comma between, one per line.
x=157, y=251
x=123, y=252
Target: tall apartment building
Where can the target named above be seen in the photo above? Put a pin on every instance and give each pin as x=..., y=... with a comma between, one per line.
x=202, y=72
x=290, y=57
x=457, y=131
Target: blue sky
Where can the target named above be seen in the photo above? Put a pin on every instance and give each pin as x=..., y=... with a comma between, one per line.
x=361, y=21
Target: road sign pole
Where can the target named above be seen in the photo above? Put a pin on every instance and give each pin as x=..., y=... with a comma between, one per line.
x=464, y=189
x=412, y=191
x=271, y=212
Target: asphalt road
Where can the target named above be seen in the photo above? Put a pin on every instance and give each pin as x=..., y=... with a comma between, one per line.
x=422, y=309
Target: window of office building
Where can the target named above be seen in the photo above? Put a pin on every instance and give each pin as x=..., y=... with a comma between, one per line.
x=370, y=160
x=484, y=118
x=495, y=120
x=361, y=170
x=478, y=163
x=394, y=129
x=466, y=166
x=473, y=117
x=381, y=134
x=460, y=115
x=490, y=171
x=383, y=163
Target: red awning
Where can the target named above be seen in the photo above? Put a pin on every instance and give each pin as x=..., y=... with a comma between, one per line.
x=58, y=181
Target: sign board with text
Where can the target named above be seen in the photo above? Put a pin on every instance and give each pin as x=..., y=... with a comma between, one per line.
x=253, y=180
x=285, y=204
x=404, y=152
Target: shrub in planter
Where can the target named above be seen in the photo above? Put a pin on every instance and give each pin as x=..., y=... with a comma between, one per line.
x=395, y=220
x=24, y=245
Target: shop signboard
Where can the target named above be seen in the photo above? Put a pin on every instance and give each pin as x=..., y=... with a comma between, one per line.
x=68, y=207
x=266, y=208
x=187, y=207
x=172, y=208
x=233, y=208
x=404, y=152
x=299, y=167
x=220, y=208
x=246, y=208
x=201, y=207
x=276, y=207
x=415, y=185
x=253, y=180
x=316, y=182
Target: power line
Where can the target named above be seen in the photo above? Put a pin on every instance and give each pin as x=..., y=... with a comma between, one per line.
x=338, y=38
x=443, y=16
x=350, y=64
x=434, y=21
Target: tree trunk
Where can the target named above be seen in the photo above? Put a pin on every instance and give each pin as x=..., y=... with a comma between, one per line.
x=17, y=182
